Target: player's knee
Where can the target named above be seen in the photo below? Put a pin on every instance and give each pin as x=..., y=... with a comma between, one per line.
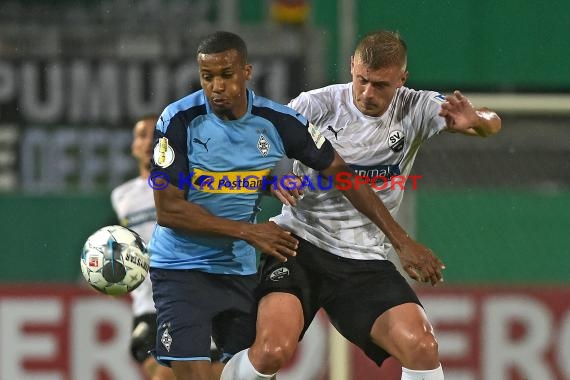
x=428, y=346
x=270, y=357
x=162, y=373
x=422, y=350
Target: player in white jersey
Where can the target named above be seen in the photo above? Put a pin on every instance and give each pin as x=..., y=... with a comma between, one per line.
x=382, y=147
x=133, y=203
x=377, y=125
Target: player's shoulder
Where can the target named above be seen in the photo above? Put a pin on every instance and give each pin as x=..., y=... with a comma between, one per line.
x=330, y=90
x=327, y=93
x=323, y=97
x=411, y=97
x=187, y=107
x=263, y=102
x=270, y=109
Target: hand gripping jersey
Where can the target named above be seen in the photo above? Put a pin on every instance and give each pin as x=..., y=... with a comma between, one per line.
x=133, y=203
x=373, y=146
x=221, y=165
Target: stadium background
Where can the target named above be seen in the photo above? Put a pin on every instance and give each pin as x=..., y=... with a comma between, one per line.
x=75, y=74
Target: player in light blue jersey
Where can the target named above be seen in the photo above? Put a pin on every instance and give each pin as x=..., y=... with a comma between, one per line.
x=211, y=149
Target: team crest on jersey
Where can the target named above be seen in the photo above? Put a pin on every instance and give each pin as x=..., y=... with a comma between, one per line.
x=163, y=154
x=396, y=141
x=317, y=136
x=263, y=145
x=279, y=274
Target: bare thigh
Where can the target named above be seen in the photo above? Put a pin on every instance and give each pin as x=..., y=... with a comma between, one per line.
x=279, y=326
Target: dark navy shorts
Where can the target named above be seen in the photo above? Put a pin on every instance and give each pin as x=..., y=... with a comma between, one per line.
x=354, y=293
x=193, y=306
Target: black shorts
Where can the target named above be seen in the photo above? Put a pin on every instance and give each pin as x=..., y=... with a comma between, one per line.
x=193, y=306
x=354, y=293
x=143, y=336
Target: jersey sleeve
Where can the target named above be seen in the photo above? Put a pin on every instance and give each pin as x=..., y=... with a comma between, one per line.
x=301, y=140
x=170, y=154
x=115, y=201
x=309, y=146
x=309, y=106
x=426, y=113
x=312, y=110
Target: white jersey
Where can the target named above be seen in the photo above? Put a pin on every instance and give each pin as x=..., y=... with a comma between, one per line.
x=373, y=146
x=133, y=203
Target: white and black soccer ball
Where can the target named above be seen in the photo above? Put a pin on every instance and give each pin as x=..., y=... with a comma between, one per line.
x=114, y=260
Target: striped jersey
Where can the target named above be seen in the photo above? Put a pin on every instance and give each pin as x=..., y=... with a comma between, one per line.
x=383, y=146
x=133, y=203
x=220, y=165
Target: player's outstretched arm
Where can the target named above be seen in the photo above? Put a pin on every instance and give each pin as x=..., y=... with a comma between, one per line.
x=462, y=117
x=417, y=260
x=174, y=211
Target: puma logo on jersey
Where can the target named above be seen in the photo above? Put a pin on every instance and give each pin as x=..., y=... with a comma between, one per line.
x=204, y=144
x=330, y=128
x=396, y=140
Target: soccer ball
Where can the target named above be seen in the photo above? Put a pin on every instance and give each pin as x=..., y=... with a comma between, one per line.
x=114, y=260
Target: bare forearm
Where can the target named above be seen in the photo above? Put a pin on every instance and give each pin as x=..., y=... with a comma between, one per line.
x=177, y=213
x=488, y=123
x=363, y=198
x=368, y=203
x=174, y=211
x=195, y=220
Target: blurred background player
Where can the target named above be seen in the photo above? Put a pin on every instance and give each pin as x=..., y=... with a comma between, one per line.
x=133, y=203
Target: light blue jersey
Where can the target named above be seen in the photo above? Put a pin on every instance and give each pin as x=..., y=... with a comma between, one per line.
x=221, y=165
